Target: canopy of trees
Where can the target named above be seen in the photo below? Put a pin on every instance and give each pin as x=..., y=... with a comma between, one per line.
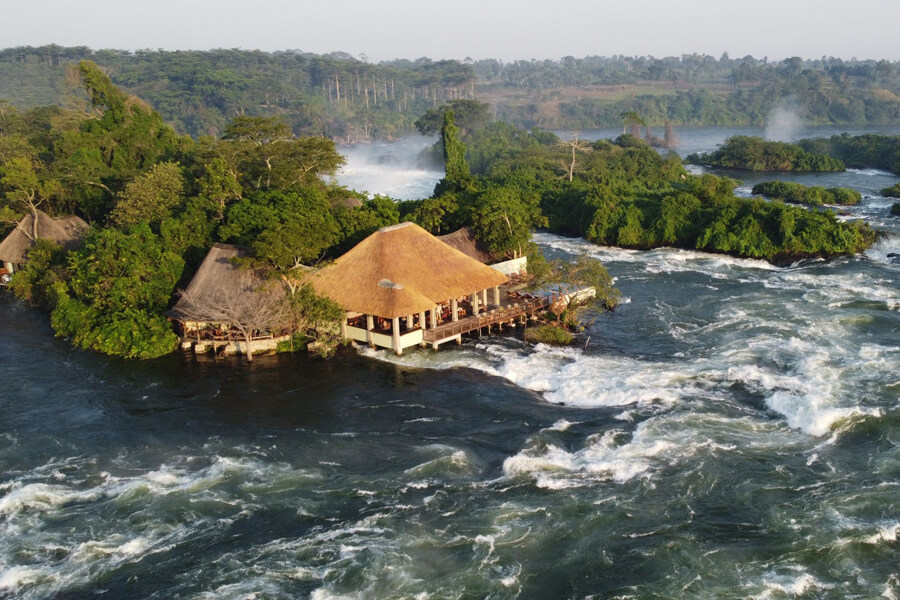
x=802, y=194
x=346, y=98
x=157, y=201
x=756, y=154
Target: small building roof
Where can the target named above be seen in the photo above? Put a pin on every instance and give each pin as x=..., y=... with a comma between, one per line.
x=401, y=270
x=219, y=272
x=464, y=240
x=67, y=231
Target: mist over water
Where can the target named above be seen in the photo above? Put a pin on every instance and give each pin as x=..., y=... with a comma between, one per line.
x=784, y=121
x=397, y=169
x=731, y=431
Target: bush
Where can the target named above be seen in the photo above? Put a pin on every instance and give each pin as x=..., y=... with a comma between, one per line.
x=895, y=209
x=549, y=334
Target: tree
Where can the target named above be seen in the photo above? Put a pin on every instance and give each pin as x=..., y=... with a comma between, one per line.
x=584, y=272
x=150, y=197
x=573, y=145
x=247, y=310
x=118, y=285
x=457, y=169
x=25, y=191
x=469, y=115
x=631, y=118
x=503, y=219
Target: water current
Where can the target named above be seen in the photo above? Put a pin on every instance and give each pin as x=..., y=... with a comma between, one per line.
x=731, y=431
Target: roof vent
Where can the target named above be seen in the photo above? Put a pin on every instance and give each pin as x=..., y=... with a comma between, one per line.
x=387, y=283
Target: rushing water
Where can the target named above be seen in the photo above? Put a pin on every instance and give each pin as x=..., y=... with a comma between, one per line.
x=732, y=431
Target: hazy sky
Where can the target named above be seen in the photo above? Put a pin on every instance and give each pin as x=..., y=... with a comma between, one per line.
x=504, y=29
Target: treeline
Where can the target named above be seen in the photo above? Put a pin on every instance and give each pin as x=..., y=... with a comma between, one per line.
x=199, y=92
x=157, y=202
x=860, y=151
x=757, y=154
x=798, y=193
x=691, y=89
x=347, y=98
x=621, y=193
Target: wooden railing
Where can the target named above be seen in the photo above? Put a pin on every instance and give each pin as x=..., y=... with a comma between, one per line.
x=499, y=315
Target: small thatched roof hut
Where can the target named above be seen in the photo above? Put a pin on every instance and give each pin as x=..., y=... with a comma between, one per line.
x=464, y=240
x=67, y=231
x=217, y=273
x=402, y=270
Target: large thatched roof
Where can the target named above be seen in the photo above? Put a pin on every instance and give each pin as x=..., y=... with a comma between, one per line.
x=219, y=278
x=464, y=240
x=401, y=270
x=67, y=231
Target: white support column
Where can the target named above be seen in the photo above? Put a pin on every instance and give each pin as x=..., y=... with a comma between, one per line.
x=434, y=317
x=497, y=295
x=370, y=325
x=454, y=308
x=395, y=329
x=475, y=303
x=422, y=323
x=484, y=301
x=409, y=322
x=344, y=325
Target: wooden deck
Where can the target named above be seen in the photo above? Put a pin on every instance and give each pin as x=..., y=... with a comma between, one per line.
x=495, y=315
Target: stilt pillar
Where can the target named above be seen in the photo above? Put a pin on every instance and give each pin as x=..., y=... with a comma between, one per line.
x=474, y=304
x=484, y=301
x=454, y=309
x=395, y=331
x=370, y=325
x=497, y=295
x=422, y=322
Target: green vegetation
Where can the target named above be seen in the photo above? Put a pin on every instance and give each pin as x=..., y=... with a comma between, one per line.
x=157, y=201
x=895, y=209
x=756, y=154
x=549, y=334
x=347, y=98
x=623, y=193
x=798, y=193
x=867, y=151
x=892, y=192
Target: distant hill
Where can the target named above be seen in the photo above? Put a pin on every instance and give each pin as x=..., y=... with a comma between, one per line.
x=348, y=99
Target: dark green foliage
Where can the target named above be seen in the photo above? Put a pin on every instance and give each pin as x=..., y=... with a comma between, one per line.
x=457, y=168
x=895, y=209
x=119, y=285
x=798, y=193
x=868, y=151
x=626, y=194
x=45, y=267
x=549, y=334
x=284, y=228
x=892, y=192
x=756, y=154
x=468, y=115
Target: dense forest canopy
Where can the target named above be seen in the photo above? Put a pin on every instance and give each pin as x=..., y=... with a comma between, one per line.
x=345, y=98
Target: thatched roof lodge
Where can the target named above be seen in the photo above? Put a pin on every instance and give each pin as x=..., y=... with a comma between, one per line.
x=464, y=240
x=403, y=273
x=229, y=307
x=66, y=231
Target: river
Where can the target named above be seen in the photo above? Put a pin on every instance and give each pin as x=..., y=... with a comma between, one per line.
x=731, y=431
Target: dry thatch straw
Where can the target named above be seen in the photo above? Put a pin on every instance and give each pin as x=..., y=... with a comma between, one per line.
x=219, y=277
x=66, y=231
x=401, y=270
x=464, y=240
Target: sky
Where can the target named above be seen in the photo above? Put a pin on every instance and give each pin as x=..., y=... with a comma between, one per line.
x=503, y=29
